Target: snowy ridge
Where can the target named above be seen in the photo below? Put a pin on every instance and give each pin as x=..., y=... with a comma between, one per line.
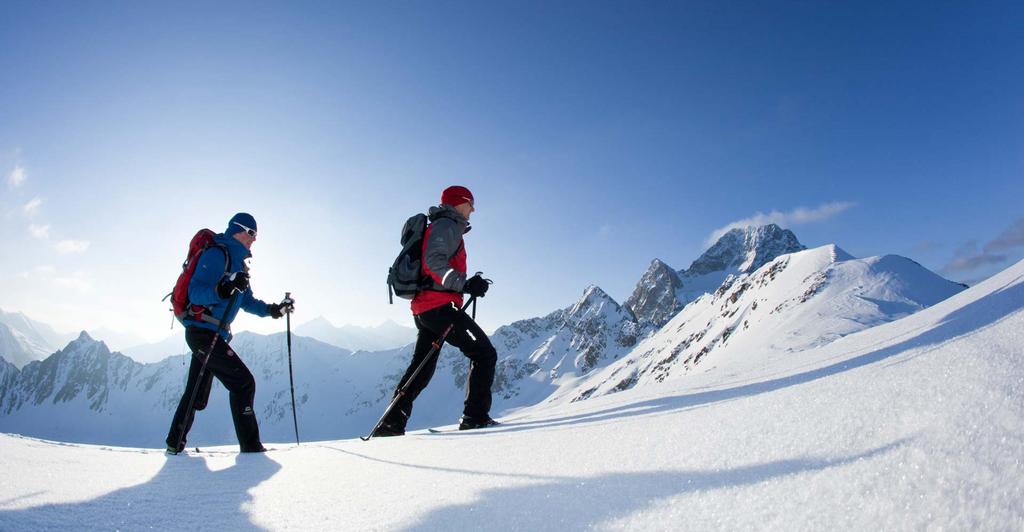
x=793, y=303
x=85, y=393
x=912, y=424
x=14, y=348
x=540, y=355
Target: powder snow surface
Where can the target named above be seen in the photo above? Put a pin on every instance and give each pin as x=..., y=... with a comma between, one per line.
x=913, y=424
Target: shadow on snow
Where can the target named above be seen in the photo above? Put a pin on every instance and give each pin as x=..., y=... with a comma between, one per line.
x=184, y=494
x=571, y=503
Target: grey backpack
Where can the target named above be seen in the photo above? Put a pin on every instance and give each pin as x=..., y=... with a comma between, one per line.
x=405, y=277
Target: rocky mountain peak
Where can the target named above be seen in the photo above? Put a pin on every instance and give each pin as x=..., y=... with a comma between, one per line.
x=745, y=250
x=84, y=342
x=593, y=297
x=654, y=298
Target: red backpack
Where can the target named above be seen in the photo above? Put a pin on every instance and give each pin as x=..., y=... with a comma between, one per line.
x=180, y=305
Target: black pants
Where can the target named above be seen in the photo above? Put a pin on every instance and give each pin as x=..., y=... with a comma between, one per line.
x=467, y=336
x=232, y=373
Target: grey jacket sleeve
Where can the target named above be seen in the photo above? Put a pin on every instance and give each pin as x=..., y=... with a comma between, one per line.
x=444, y=241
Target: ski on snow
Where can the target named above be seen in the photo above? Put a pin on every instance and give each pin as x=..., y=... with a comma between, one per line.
x=198, y=451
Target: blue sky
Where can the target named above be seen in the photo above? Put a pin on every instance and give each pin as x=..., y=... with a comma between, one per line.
x=595, y=135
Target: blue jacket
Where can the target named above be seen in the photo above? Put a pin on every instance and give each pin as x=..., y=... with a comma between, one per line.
x=202, y=290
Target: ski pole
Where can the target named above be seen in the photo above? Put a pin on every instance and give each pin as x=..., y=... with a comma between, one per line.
x=202, y=370
x=434, y=348
x=291, y=376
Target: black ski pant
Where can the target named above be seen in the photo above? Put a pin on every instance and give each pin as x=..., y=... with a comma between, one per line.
x=467, y=336
x=232, y=373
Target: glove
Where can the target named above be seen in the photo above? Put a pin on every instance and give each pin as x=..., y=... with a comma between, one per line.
x=236, y=281
x=286, y=306
x=476, y=286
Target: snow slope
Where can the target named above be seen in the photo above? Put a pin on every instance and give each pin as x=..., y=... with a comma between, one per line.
x=913, y=424
x=795, y=302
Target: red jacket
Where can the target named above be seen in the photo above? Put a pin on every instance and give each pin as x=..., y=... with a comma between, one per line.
x=444, y=261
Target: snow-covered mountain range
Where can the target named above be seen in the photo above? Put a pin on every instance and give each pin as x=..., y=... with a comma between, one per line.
x=388, y=335
x=796, y=302
x=23, y=339
x=774, y=297
x=908, y=425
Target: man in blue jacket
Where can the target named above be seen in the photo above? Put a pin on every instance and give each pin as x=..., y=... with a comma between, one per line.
x=219, y=280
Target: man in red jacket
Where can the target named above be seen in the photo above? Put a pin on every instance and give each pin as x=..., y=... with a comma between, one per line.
x=444, y=262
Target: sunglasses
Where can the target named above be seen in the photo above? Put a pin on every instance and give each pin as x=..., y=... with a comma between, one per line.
x=248, y=231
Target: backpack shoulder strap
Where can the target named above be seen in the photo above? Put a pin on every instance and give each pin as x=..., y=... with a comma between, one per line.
x=227, y=255
x=224, y=250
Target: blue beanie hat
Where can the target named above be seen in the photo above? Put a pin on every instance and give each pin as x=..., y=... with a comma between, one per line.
x=238, y=220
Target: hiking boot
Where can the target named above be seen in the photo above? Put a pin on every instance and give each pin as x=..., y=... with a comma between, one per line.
x=258, y=449
x=469, y=423
x=388, y=429
x=172, y=451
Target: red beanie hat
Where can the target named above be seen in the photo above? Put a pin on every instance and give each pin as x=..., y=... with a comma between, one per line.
x=456, y=196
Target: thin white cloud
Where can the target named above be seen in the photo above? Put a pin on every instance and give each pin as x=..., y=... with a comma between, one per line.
x=42, y=232
x=800, y=215
x=16, y=177
x=78, y=281
x=71, y=246
x=39, y=272
x=32, y=207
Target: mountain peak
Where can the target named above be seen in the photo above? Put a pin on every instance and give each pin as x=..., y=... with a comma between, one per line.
x=745, y=250
x=839, y=254
x=85, y=342
x=593, y=297
x=657, y=264
x=594, y=291
x=319, y=320
x=654, y=298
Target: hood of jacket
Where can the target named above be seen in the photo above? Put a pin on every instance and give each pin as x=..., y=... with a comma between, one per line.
x=447, y=211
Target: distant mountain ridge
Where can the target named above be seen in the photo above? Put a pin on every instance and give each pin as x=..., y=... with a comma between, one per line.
x=387, y=335
x=23, y=339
